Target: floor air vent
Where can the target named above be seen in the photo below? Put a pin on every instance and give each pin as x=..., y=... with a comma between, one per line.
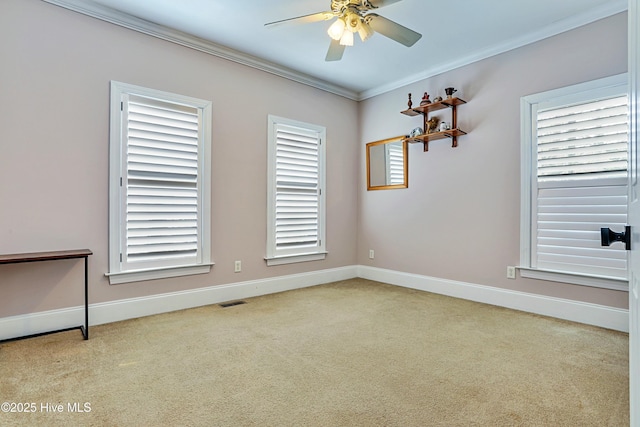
x=231, y=304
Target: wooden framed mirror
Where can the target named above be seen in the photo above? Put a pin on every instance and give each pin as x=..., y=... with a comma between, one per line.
x=388, y=164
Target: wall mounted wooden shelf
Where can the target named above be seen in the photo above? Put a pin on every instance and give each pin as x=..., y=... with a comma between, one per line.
x=424, y=110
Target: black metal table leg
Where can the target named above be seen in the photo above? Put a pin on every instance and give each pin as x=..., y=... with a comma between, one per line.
x=85, y=332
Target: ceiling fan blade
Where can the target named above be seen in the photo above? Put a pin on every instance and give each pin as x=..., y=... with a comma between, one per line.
x=393, y=30
x=304, y=19
x=335, y=51
x=380, y=3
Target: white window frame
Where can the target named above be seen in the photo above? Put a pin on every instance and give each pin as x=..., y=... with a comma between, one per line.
x=119, y=271
x=583, y=92
x=274, y=255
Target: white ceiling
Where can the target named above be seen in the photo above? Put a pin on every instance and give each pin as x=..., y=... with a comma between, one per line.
x=455, y=32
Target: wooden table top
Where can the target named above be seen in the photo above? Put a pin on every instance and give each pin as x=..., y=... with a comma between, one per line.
x=44, y=256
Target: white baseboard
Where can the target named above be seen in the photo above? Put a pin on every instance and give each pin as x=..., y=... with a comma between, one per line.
x=576, y=311
x=114, y=311
x=35, y=323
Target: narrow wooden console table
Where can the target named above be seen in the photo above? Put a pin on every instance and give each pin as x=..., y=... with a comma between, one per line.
x=52, y=256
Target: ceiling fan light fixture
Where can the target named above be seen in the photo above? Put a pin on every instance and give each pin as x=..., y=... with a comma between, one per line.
x=347, y=39
x=364, y=31
x=352, y=21
x=336, y=30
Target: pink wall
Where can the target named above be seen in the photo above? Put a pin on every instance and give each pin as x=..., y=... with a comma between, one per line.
x=54, y=115
x=460, y=217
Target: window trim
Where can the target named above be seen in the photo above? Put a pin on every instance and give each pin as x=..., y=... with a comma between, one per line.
x=528, y=109
x=273, y=256
x=116, y=144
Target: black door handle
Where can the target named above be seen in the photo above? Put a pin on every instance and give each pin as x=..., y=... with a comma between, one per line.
x=607, y=237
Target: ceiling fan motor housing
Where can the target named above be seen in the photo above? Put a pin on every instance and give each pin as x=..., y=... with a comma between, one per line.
x=342, y=7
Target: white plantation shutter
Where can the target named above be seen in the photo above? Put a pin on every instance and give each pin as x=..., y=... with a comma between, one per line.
x=568, y=229
x=297, y=188
x=584, y=139
x=395, y=153
x=296, y=170
x=161, y=181
x=159, y=197
x=581, y=187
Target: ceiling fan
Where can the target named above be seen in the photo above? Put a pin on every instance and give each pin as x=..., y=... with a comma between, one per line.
x=353, y=17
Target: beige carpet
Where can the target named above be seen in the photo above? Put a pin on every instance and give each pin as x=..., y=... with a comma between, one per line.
x=352, y=353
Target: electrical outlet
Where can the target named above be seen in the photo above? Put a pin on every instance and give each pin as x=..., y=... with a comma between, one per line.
x=511, y=272
x=238, y=266
x=371, y=254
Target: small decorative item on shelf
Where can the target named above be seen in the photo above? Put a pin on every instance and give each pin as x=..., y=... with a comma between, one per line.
x=416, y=132
x=410, y=103
x=449, y=91
x=444, y=126
x=425, y=99
x=432, y=124
x=437, y=99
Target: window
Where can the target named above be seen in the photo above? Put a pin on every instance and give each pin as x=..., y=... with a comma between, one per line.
x=295, y=192
x=160, y=169
x=574, y=178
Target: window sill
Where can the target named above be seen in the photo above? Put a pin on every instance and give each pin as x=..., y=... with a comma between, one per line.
x=290, y=259
x=576, y=279
x=157, y=273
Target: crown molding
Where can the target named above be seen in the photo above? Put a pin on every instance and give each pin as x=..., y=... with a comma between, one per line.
x=112, y=16
x=611, y=8
x=89, y=8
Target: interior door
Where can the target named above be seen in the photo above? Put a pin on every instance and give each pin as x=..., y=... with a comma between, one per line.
x=634, y=213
